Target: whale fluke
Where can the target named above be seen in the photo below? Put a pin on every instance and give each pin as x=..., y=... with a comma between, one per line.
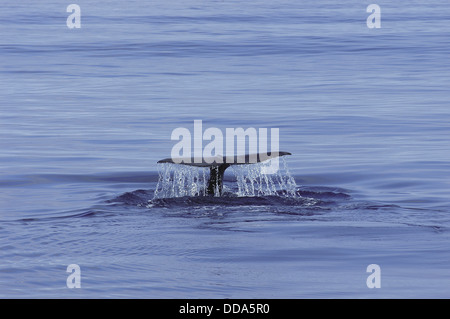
x=218, y=165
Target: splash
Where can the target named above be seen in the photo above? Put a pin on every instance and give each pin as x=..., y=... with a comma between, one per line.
x=181, y=180
x=251, y=180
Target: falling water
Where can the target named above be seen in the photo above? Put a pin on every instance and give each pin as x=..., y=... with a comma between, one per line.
x=181, y=180
x=252, y=181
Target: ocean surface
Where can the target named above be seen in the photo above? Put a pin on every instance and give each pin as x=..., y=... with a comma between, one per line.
x=85, y=114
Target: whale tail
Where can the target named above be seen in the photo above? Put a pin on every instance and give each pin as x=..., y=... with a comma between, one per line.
x=218, y=164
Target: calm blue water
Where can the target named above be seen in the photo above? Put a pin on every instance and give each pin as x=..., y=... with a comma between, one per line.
x=86, y=113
